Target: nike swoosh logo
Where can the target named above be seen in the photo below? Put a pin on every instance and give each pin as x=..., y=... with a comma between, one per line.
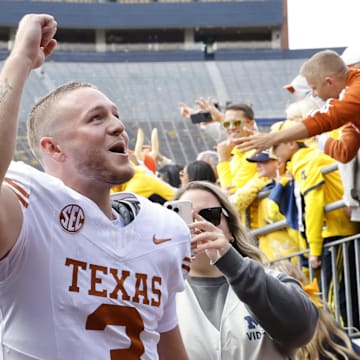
x=158, y=241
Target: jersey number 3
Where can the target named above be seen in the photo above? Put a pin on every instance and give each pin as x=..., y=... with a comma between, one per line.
x=127, y=316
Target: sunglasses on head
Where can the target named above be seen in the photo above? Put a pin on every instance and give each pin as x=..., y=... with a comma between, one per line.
x=213, y=214
x=235, y=122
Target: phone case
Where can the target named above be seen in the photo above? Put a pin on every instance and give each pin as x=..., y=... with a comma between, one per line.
x=200, y=117
x=182, y=207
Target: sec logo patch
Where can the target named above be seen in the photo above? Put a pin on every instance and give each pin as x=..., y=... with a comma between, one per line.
x=72, y=218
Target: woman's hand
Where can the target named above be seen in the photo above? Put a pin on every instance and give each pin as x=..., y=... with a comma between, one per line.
x=208, y=238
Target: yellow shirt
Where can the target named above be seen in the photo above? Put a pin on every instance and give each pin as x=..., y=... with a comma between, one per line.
x=145, y=184
x=319, y=190
x=277, y=243
x=238, y=171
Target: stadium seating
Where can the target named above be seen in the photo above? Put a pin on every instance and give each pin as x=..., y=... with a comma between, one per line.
x=148, y=95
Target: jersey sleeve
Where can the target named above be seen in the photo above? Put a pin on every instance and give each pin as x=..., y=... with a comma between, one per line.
x=18, y=180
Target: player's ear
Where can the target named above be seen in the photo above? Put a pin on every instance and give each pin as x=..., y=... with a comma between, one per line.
x=51, y=149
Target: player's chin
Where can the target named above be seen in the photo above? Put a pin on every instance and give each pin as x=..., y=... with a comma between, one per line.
x=126, y=172
x=121, y=173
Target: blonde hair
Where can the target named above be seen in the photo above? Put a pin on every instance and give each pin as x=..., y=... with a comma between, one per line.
x=322, y=64
x=242, y=241
x=326, y=331
x=42, y=115
x=299, y=110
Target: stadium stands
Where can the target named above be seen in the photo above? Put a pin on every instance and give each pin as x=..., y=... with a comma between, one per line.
x=148, y=95
x=129, y=25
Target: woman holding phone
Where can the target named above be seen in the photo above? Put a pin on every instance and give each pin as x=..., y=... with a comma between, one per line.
x=232, y=306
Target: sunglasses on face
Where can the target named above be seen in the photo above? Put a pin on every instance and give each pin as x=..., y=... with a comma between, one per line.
x=235, y=123
x=213, y=214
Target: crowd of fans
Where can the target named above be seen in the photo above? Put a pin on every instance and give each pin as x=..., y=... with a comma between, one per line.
x=292, y=175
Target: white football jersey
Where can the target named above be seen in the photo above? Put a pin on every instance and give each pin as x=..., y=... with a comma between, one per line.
x=76, y=286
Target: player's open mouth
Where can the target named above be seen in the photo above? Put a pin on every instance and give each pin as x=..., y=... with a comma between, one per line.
x=118, y=148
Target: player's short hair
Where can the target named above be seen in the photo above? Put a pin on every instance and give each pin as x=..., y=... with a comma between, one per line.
x=42, y=115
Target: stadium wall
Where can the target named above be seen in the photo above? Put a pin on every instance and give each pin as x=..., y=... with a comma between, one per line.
x=148, y=15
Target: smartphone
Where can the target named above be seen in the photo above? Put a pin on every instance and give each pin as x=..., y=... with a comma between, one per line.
x=182, y=207
x=202, y=116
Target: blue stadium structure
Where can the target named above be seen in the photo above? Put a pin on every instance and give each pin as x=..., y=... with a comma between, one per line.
x=149, y=55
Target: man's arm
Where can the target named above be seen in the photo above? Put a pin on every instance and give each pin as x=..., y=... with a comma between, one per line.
x=334, y=114
x=337, y=112
x=33, y=43
x=171, y=346
x=346, y=147
x=261, y=142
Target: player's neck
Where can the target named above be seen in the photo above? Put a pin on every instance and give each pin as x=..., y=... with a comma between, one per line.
x=100, y=196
